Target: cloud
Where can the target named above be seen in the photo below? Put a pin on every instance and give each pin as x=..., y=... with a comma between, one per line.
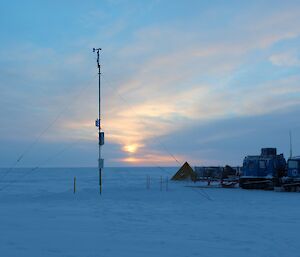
x=289, y=59
x=177, y=84
x=158, y=79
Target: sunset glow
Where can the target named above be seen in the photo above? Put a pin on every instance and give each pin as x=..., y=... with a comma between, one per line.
x=149, y=160
x=131, y=148
x=206, y=81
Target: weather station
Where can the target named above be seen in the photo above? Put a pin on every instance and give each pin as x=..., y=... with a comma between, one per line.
x=98, y=123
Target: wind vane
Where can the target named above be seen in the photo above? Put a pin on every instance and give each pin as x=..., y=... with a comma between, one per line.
x=98, y=124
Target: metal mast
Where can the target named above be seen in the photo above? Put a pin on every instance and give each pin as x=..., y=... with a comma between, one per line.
x=98, y=124
x=291, y=146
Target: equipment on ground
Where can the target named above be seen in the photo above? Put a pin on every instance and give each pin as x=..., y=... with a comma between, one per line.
x=263, y=171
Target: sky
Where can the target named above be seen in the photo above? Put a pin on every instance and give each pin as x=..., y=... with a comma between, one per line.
x=207, y=82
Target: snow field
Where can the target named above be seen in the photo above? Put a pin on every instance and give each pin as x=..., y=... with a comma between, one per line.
x=40, y=217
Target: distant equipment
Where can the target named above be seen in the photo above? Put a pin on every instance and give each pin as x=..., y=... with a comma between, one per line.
x=294, y=167
x=291, y=182
x=208, y=173
x=262, y=171
x=98, y=123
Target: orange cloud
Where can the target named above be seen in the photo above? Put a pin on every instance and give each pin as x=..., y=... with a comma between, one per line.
x=148, y=159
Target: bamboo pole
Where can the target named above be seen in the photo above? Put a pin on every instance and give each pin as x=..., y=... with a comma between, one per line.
x=74, y=190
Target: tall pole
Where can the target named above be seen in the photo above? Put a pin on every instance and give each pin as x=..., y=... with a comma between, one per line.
x=98, y=123
x=291, y=146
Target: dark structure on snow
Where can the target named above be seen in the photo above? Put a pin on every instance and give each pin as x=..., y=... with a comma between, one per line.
x=185, y=173
x=206, y=173
x=263, y=171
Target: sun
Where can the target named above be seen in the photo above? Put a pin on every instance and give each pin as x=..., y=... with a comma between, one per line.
x=131, y=148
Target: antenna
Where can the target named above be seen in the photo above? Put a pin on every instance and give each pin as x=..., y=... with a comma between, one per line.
x=98, y=123
x=291, y=146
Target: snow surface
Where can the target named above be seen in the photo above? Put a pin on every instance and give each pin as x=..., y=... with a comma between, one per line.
x=40, y=217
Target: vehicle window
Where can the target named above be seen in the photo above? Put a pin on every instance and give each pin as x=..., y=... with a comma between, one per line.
x=293, y=164
x=262, y=164
x=251, y=165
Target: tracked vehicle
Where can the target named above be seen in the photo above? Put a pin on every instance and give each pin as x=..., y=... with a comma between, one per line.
x=263, y=171
x=291, y=182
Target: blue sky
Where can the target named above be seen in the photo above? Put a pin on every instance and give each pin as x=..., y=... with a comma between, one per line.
x=206, y=81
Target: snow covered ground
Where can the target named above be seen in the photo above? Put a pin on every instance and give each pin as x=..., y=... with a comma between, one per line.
x=40, y=217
